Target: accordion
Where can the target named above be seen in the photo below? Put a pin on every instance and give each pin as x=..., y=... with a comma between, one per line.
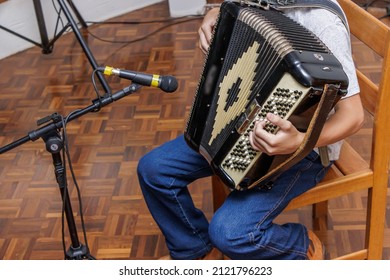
x=260, y=61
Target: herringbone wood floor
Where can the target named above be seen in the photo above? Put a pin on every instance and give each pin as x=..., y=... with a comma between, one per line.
x=105, y=146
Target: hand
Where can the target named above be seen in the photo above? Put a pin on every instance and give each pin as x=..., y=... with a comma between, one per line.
x=206, y=29
x=285, y=141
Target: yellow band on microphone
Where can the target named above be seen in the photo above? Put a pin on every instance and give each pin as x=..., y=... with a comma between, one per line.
x=108, y=70
x=155, y=81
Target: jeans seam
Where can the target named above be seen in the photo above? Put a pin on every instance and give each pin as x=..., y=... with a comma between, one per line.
x=189, y=174
x=297, y=175
x=183, y=214
x=251, y=235
x=271, y=248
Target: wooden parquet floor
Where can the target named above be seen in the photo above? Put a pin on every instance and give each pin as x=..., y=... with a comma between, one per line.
x=105, y=146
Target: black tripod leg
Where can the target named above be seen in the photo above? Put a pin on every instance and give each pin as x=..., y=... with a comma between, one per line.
x=46, y=46
x=84, y=46
x=77, y=13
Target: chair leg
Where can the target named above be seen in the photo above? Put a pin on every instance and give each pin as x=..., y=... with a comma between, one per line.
x=376, y=213
x=320, y=216
x=220, y=192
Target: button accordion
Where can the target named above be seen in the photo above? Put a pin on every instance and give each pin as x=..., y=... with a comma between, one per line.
x=260, y=61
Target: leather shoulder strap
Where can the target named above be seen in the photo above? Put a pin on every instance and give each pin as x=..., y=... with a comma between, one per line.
x=328, y=99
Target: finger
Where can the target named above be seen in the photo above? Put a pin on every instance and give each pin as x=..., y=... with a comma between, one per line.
x=278, y=121
x=255, y=144
x=203, y=43
x=260, y=133
x=256, y=137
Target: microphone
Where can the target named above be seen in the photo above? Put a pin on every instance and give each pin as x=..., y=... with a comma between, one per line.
x=166, y=83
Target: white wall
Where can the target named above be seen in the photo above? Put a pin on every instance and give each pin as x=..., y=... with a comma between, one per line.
x=19, y=16
x=179, y=8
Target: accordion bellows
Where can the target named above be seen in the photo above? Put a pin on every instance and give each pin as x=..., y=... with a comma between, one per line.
x=259, y=61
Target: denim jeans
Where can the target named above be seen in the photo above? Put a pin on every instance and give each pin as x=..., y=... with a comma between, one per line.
x=243, y=227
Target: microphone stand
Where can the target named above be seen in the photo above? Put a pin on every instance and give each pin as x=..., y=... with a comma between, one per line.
x=81, y=40
x=50, y=133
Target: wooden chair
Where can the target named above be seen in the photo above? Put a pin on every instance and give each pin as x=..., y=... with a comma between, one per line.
x=351, y=173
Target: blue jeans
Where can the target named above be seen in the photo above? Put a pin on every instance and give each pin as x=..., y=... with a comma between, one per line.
x=243, y=227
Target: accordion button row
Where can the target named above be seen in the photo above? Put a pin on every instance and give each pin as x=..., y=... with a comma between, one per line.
x=280, y=103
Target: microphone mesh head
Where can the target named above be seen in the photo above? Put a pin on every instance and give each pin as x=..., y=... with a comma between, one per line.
x=168, y=84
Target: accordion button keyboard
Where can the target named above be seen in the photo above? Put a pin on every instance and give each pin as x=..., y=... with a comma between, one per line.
x=281, y=102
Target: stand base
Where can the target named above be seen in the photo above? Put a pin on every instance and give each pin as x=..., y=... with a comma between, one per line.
x=80, y=253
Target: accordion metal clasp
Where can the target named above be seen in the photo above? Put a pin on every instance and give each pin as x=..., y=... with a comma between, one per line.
x=258, y=4
x=265, y=4
x=247, y=117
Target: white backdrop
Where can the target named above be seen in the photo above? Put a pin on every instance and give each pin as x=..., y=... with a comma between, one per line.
x=19, y=16
x=179, y=8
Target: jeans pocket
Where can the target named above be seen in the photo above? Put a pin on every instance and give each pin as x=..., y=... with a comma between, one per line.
x=321, y=173
x=313, y=156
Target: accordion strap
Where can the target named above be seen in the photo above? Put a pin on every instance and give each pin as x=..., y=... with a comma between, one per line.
x=326, y=103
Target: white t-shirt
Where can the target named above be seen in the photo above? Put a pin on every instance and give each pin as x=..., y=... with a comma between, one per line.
x=330, y=29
